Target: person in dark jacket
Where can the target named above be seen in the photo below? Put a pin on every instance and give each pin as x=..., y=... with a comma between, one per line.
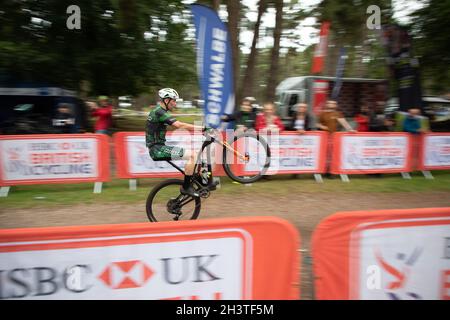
x=244, y=117
x=301, y=121
x=64, y=121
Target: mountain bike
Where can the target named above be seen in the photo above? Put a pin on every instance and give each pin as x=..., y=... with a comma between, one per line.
x=245, y=159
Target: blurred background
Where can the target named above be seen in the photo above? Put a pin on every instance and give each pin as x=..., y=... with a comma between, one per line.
x=127, y=50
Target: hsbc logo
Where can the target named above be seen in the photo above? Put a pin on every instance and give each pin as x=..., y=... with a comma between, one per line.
x=43, y=281
x=179, y=270
x=126, y=274
x=46, y=281
x=80, y=278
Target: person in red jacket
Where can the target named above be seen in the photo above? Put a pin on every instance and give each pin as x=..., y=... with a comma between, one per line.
x=103, y=113
x=362, y=119
x=268, y=120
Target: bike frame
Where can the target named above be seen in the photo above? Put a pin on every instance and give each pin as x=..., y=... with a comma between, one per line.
x=206, y=144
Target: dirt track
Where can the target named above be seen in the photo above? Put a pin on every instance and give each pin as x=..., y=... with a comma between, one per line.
x=304, y=211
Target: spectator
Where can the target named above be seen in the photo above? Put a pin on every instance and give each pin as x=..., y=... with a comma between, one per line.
x=330, y=119
x=362, y=119
x=268, y=121
x=378, y=121
x=244, y=117
x=302, y=120
x=64, y=121
x=103, y=113
x=414, y=122
x=389, y=123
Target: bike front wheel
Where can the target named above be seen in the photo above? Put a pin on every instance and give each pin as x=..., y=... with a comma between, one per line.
x=166, y=203
x=246, y=158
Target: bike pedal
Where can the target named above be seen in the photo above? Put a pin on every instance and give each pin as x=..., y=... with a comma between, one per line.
x=213, y=185
x=217, y=181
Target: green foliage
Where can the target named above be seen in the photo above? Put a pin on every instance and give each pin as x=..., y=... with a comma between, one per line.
x=109, y=52
x=366, y=56
x=431, y=29
x=111, y=56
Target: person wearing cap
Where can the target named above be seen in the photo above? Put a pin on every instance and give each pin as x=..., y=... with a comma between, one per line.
x=103, y=113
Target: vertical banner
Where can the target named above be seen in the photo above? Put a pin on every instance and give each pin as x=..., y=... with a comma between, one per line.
x=383, y=255
x=435, y=151
x=362, y=153
x=214, y=64
x=320, y=88
x=321, y=49
x=53, y=158
x=339, y=73
x=214, y=259
x=404, y=67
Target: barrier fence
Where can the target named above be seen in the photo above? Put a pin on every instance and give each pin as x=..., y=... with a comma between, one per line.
x=365, y=153
x=292, y=153
x=384, y=254
x=434, y=151
x=221, y=259
x=375, y=255
x=133, y=160
x=53, y=158
x=70, y=158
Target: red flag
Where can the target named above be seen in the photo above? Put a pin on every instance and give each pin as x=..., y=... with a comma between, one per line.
x=321, y=48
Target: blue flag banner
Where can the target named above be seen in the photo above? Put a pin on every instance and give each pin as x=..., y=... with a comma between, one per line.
x=339, y=73
x=214, y=64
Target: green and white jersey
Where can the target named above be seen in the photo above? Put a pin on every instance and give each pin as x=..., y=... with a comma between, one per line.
x=157, y=121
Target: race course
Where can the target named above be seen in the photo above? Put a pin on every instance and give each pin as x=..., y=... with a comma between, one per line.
x=300, y=200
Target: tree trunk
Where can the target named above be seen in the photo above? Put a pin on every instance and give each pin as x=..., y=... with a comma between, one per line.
x=215, y=5
x=233, y=8
x=246, y=88
x=274, y=64
x=128, y=18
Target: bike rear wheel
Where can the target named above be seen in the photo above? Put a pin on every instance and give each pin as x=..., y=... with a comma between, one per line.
x=257, y=161
x=166, y=203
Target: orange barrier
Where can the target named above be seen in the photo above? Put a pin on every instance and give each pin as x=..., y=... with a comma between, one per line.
x=53, y=158
x=384, y=254
x=207, y=259
x=371, y=152
x=133, y=159
x=290, y=153
x=293, y=153
x=435, y=151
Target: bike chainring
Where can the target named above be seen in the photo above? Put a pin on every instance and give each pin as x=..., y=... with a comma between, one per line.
x=173, y=207
x=204, y=193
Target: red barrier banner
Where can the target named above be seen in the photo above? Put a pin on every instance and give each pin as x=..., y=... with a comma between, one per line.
x=362, y=153
x=385, y=254
x=435, y=151
x=221, y=259
x=134, y=161
x=53, y=158
x=293, y=153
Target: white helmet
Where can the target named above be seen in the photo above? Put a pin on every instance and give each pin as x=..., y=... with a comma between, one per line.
x=168, y=93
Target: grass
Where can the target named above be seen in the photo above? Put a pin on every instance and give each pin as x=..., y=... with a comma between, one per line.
x=117, y=190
